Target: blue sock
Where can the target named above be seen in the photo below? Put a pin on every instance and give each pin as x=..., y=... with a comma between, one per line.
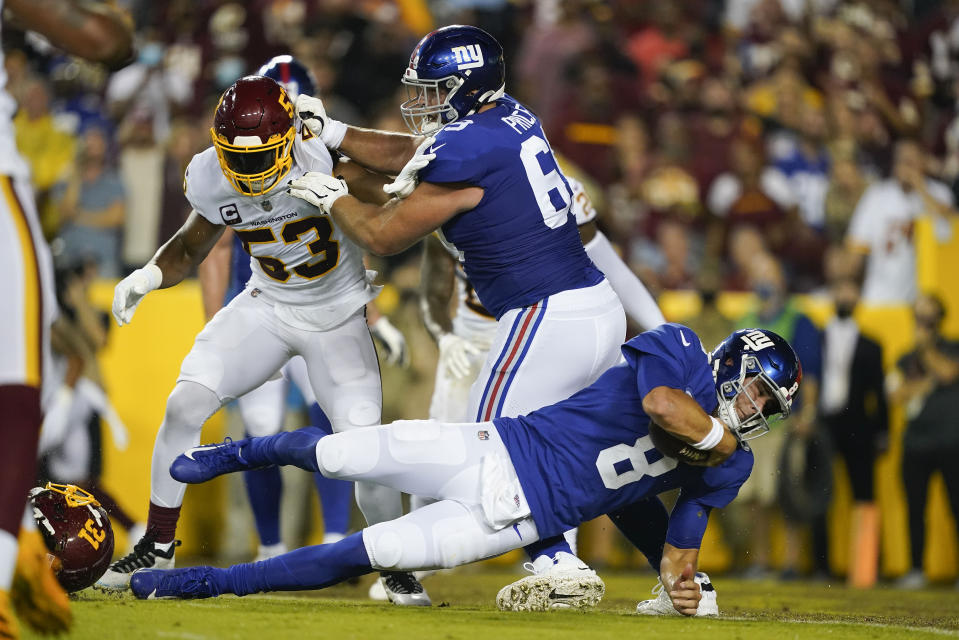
x=644, y=523
x=307, y=568
x=297, y=448
x=548, y=547
x=264, y=488
x=336, y=496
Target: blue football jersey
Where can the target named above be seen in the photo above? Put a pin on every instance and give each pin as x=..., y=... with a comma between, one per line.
x=520, y=244
x=592, y=453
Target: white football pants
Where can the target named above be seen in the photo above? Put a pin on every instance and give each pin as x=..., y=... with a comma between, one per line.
x=448, y=463
x=240, y=348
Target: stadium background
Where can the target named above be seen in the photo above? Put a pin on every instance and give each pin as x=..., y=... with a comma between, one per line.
x=611, y=80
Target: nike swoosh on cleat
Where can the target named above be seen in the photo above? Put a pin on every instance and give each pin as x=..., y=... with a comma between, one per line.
x=189, y=452
x=560, y=596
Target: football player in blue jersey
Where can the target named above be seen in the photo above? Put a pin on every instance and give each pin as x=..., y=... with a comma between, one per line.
x=504, y=483
x=487, y=183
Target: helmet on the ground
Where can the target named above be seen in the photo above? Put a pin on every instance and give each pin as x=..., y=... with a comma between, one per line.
x=291, y=74
x=453, y=72
x=77, y=532
x=253, y=134
x=760, y=367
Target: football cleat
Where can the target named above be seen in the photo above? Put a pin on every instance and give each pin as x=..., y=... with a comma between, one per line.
x=402, y=589
x=662, y=605
x=185, y=584
x=562, y=582
x=146, y=554
x=9, y=628
x=37, y=595
x=208, y=461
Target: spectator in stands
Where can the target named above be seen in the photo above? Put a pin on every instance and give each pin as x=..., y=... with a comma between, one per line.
x=881, y=229
x=926, y=383
x=149, y=85
x=46, y=146
x=852, y=407
x=93, y=207
x=756, y=502
x=141, y=168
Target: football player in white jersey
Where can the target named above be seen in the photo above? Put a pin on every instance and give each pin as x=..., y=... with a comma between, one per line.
x=102, y=34
x=306, y=297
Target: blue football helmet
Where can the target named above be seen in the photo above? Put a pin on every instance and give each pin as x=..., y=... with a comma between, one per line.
x=452, y=73
x=291, y=74
x=743, y=361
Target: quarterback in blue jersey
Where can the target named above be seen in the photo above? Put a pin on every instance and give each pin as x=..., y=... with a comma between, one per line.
x=487, y=183
x=502, y=484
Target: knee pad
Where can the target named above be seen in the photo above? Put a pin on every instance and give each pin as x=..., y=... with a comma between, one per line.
x=343, y=455
x=190, y=405
x=395, y=546
x=364, y=413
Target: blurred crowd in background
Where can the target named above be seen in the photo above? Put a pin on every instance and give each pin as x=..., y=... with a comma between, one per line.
x=767, y=146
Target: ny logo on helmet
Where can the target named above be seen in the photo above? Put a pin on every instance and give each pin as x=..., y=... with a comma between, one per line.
x=757, y=340
x=468, y=57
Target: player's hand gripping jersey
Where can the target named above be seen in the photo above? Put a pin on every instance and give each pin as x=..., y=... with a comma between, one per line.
x=598, y=452
x=299, y=259
x=520, y=244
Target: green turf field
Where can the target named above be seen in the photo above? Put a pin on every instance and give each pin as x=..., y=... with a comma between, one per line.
x=464, y=610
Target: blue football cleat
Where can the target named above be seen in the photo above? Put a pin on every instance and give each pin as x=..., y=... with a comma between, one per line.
x=185, y=584
x=208, y=461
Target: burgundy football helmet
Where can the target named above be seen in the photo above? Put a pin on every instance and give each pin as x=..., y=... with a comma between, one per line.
x=77, y=532
x=253, y=134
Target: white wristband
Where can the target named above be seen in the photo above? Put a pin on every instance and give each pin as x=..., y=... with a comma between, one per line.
x=713, y=437
x=333, y=133
x=153, y=274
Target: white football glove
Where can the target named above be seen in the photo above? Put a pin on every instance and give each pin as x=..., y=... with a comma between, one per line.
x=131, y=290
x=458, y=355
x=313, y=114
x=319, y=189
x=392, y=338
x=407, y=180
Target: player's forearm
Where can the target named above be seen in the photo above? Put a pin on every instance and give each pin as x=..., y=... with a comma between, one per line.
x=674, y=561
x=381, y=151
x=438, y=277
x=681, y=416
x=96, y=32
x=637, y=301
x=370, y=226
x=683, y=592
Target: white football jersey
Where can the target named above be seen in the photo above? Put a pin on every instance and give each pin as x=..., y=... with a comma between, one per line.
x=299, y=258
x=472, y=321
x=883, y=225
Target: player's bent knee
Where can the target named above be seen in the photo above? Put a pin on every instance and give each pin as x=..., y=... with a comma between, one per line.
x=190, y=404
x=391, y=545
x=347, y=455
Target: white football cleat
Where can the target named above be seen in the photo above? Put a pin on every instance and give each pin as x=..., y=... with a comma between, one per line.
x=661, y=605
x=401, y=588
x=146, y=554
x=562, y=582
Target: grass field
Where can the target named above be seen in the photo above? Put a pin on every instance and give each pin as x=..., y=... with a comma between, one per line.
x=464, y=610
